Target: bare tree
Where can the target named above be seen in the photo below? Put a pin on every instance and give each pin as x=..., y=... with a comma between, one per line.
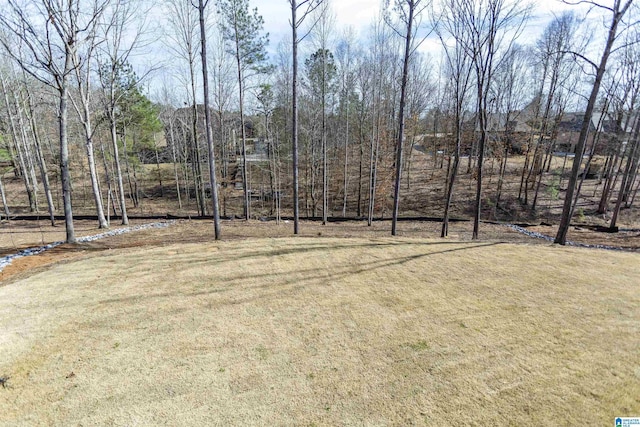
x=169, y=119
x=17, y=134
x=223, y=84
x=618, y=11
x=51, y=32
x=344, y=56
x=183, y=42
x=623, y=95
x=207, y=116
x=458, y=66
x=420, y=92
x=241, y=30
x=322, y=31
x=491, y=25
x=306, y=7
x=510, y=92
x=113, y=60
x=409, y=16
x=381, y=67
x=82, y=64
x=35, y=132
x=553, y=48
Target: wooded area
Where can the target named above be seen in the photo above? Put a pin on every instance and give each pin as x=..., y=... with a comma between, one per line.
x=334, y=124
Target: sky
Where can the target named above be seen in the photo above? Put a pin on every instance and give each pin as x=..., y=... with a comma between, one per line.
x=360, y=14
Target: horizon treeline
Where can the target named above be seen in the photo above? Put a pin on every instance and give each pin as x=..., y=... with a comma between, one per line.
x=332, y=123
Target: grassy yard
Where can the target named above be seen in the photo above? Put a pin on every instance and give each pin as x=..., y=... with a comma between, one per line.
x=324, y=331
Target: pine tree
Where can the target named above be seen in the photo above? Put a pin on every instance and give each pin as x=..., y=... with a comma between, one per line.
x=241, y=30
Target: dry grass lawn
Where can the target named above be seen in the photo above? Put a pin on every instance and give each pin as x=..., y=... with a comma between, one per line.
x=324, y=331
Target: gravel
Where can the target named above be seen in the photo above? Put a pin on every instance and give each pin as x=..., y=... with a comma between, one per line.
x=8, y=259
x=537, y=235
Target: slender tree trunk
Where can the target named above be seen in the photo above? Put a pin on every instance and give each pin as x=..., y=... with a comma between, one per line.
x=454, y=173
x=155, y=147
x=563, y=229
x=525, y=168
x=41, y=163
x=360, y=171
x=14, y=133
x=373, y=163
x=102, y=221
x=604, y=175
x=223, y=148
x=631, y=195
x=346, y=166
x=243, y=134
x=400, y=142
x=116, y=159
x=503, y=169
x=64, y=154
x=207, y=115
x=197, y=169
x=626, y=176
x=132, y=191
x=108, y=178
x=482, y=111
x=25, y=146
x=4, y=200
x=325, y=175
x=294, y=117
x=176, y=175
x=635, y=192
x=272, y=169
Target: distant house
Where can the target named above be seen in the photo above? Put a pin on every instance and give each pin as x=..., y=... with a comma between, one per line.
x=603, y=130
x=523, y=128
x=568, y=131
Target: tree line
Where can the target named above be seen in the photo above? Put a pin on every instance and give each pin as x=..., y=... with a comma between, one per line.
x=332, y=120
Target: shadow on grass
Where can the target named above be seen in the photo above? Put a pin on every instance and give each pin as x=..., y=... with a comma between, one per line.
x=302, y=248
x=297, y=279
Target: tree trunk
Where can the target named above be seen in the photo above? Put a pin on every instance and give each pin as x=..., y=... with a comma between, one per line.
x=346, y=166
x=325, y=175
x=4, y=200
x=108, y=178
x=14, y=133
x=400, y=142
x=176, y=175
x=373, y=162
x=207, y=118
x=102, y=221
x=294, y=117
x=626, y=176
x=133, y=194
x=64, y=154
x=360, y=172
x=116, y=159
x=155, y=147
x=197, y=169
x=452, y=178
x=28, y=154
x=42, y=164
x=561, y=237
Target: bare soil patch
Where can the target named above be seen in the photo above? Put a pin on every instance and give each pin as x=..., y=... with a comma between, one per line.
x=265, y=330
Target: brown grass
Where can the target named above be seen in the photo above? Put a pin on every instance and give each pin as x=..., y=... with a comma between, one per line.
x=323, y=331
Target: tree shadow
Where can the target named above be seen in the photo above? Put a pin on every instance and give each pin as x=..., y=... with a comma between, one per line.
x=298, y=279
